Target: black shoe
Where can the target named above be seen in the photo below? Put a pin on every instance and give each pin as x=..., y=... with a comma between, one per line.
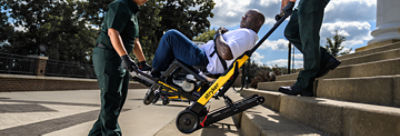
x=295, y=90
x=290, y=90
x=331, y=64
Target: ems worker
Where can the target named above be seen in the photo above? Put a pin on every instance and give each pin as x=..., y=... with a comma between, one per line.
x=303, y=31
x=119, y=34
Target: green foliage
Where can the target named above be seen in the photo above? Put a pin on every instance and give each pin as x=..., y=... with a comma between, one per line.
x=52, y=28
x=187, y=16
x=67, y=29
x=94, y=11
x=149, y=22
x=257, y=73
x=5, y=28
x=158, y=16
x=206, y=36
x=334, y=45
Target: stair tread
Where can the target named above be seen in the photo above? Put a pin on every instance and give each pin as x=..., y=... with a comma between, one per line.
x=386, y=47
x=369, y=77
x=264, y=121
x=325, y=101
x=355, y=70
x=336, y=117
x=375, y=53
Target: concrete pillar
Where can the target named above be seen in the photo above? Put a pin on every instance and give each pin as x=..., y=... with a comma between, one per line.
x=39, y=65
x=387, y=24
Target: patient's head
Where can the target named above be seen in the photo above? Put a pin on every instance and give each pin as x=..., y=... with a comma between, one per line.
x=253, y=19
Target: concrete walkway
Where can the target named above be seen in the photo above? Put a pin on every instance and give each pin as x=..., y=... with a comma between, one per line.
x=72, y=113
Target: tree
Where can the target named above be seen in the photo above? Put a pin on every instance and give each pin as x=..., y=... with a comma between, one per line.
x=94, y=11
x=206, y=36
x=188, y=16
x=149, y=22
x=52, y=28
x=334, y=45
x=155, y=17
x=5, y=28
x=67, y=29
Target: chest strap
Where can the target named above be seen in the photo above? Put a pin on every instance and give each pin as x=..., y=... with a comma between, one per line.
x=223, y=62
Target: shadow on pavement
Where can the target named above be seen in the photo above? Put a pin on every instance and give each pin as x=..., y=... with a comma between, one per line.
x=171, y=105
x=20, y=108
x=219, y=129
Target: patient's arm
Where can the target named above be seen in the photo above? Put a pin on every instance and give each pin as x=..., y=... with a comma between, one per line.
x=222, y=47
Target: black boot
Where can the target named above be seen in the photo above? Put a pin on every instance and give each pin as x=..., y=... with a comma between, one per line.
x=290, y=90
x=296, y=90
x=330, y=64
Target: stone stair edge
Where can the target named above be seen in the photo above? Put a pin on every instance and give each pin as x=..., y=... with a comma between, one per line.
x=365, y=55
x=338, y=117
x=382, y=48
x=371, y=54
x=369, y=77
x=284, y=77
x=361, y=106
x=263, y=121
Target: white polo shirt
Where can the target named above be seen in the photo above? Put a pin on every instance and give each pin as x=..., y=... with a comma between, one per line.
x=239, y=41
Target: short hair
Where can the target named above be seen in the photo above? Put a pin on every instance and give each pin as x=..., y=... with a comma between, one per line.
x=260, y=18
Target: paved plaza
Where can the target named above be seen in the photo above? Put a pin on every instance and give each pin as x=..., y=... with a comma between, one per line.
x=72, y=113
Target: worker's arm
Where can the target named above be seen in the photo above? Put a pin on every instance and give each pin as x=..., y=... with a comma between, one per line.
x=137, y=50
x=116, y=42
x=119, y=47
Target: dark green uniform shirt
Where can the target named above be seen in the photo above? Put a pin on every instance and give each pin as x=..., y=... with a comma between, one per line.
x=121, y=16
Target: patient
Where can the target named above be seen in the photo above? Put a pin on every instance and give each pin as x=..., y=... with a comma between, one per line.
x=228, y=45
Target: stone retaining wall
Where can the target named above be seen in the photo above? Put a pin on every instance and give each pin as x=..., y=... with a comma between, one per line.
x=9, y=82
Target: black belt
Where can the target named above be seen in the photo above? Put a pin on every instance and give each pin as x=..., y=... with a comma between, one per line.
x=101, y=45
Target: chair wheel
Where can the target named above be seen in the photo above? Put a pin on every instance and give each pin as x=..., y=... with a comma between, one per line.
x=165, y=101
x=149, y=96
x=156, y=97
x=187, y=121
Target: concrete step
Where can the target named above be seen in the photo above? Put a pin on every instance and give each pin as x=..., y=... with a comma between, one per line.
x=375, y=68
x=391, y=46
x=382, y=90
x=388, y=54
x=274, y=86
x=335, y=117
x=389, y=51
x=260, y=121
x=382, y=67
x=292, y=76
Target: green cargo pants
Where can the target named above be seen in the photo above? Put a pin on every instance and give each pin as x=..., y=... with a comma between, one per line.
x=113, y=83
x=303, y=31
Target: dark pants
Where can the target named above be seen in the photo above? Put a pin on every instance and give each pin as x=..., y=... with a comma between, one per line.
x=175, y=45
x=303, y=31
x=113, y=83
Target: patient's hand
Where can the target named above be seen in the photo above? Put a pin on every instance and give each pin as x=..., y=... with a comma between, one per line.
x=223, y=29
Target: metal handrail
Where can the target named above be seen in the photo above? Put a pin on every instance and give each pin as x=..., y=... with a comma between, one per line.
x=27, y=65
